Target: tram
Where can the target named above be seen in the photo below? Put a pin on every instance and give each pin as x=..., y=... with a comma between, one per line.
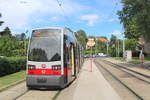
x=54, y=58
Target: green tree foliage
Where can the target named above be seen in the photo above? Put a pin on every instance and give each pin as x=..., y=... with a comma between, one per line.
x=11, y=47
x=81, y=37
x=100, y=47
x=23, y=36
x=81, y=33
x=115, y=45
x=20, y=37
x=6, y=32
x=93, y=37
x=113, y=39
x=131, y=44
x=135, y=17
x=112, y=45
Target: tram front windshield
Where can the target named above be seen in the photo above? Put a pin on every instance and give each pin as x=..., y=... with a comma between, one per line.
x=45, y=45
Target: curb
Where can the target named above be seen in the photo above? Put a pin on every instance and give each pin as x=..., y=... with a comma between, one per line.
x=11, y=85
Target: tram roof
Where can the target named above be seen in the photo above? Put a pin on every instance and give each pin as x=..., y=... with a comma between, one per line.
x=48, y=28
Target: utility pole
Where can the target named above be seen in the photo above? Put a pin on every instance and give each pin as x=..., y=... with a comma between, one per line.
x=118, y=48
x=123, y=48
x=96, y=46
x=107, y=47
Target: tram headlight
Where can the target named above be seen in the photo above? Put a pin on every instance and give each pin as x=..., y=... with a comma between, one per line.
x=56, y=67
x=31, y=67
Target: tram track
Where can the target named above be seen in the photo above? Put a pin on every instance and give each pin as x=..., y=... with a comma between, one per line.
x=138, y=75
x=23, y=97
x=118, y=73
x=147, y=76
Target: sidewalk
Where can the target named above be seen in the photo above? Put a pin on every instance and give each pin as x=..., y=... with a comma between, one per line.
x=93, y=86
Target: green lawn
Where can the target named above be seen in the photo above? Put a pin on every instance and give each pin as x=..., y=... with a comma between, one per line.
x=135, y=60
x=118, y=58
x=9, y=79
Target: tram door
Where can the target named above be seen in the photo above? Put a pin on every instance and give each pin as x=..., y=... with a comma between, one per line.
x=71, y=64
x=72, y=61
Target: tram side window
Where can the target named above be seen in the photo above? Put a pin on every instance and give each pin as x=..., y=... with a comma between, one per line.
x=70, y=55
x=77, y=56
x=66, y=52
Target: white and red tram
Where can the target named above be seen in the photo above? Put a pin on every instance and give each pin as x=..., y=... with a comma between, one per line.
x=54, y=58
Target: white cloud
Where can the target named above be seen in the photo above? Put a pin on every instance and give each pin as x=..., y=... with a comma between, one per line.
x=91, y=18
x=15, y=14
x=19, y=14
x=116, y=33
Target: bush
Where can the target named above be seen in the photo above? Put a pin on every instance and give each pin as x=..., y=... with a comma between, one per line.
x=11, y=65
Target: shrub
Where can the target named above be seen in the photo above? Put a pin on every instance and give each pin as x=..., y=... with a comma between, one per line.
x=11, y=65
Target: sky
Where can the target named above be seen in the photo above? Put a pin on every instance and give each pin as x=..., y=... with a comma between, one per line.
x=95, y=17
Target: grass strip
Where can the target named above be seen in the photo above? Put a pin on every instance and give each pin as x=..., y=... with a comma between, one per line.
x=118, y=58
x=135, y=60
x=12, y=78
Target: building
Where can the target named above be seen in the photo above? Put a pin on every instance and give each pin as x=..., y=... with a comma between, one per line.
x=102, y=39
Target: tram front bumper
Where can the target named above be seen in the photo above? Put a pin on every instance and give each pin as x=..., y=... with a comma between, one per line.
x=36, y=81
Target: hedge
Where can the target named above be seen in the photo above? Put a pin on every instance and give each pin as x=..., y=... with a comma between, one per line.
x=11, y=65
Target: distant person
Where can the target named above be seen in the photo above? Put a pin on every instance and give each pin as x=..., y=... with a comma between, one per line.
x=141, y=56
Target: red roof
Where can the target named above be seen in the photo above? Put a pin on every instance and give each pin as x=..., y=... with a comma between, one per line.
x=102, y=39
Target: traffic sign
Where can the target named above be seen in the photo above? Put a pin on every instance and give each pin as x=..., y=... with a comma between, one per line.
x=91, y=42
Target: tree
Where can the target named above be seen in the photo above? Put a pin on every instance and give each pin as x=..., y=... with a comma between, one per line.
x=81, y=33
x=81, y=37
x=101, y=47
x=11, y=47
x=23, y=36
x=131, y=44
x=112, y=45
x=135, y=18
x=113, y=39
x=6, y=32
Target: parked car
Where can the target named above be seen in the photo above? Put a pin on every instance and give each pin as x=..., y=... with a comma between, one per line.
x=2, y=56
x=87, y=56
